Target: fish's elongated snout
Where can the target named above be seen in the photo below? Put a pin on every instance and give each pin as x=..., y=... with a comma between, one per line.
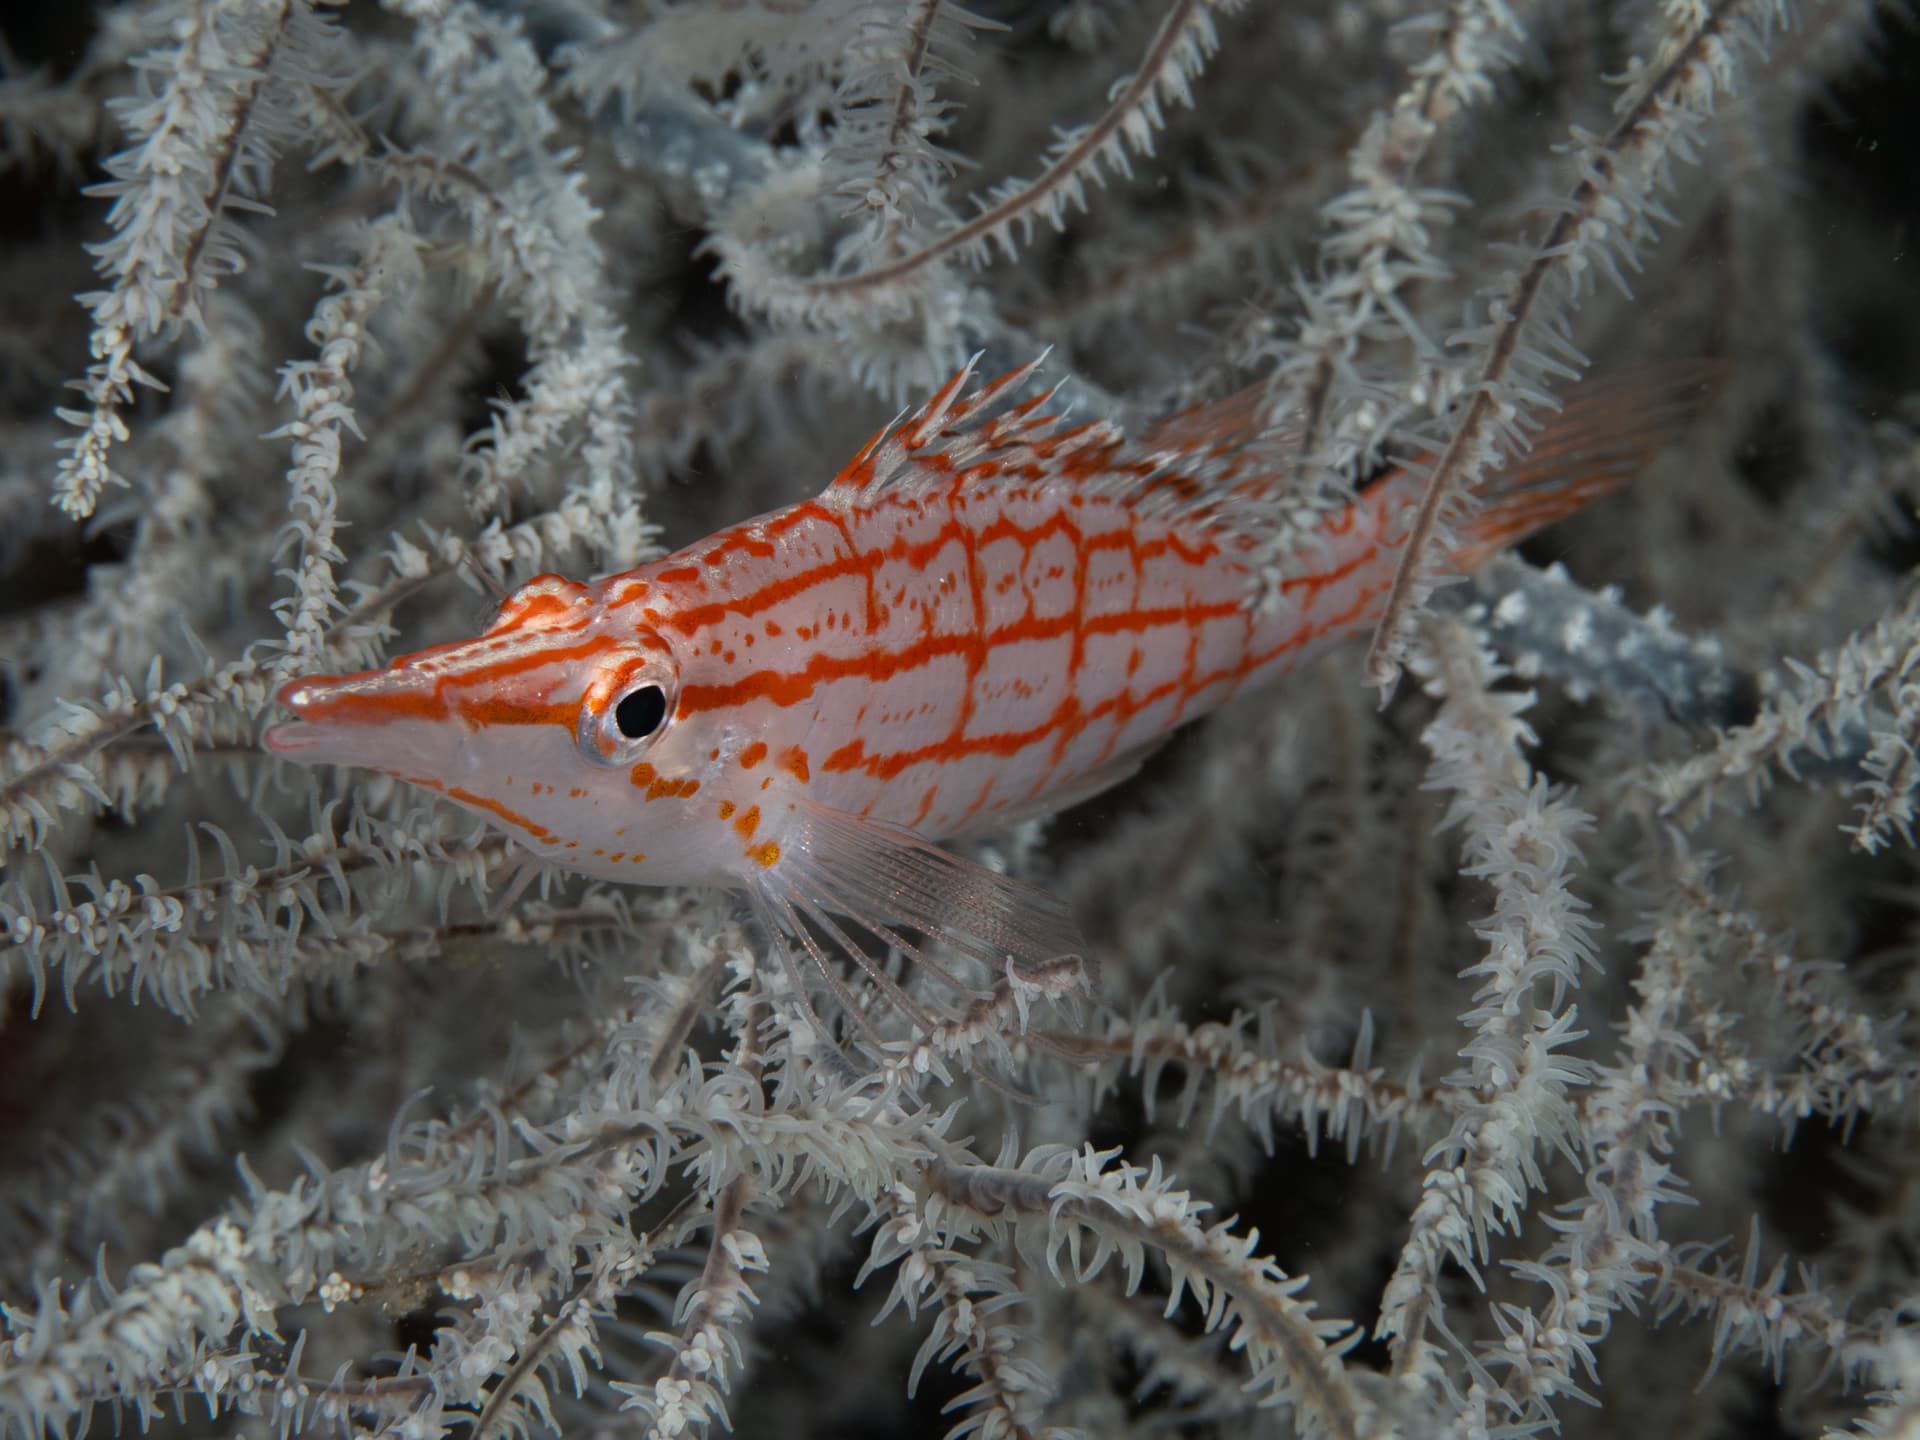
x=378, y=719
x=297, y=739
x=301, y=697
x=288, y=739
x=372, y=697
x=302, y=694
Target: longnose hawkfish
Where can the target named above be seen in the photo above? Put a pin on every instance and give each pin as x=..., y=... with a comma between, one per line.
x=986, y=616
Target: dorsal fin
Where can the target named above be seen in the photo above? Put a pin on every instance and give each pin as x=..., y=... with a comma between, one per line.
x=1229, y=423
x=970, y=434
x=1198, y=469
x=1222, y=468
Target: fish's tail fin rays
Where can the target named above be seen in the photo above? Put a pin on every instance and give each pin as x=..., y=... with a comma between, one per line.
x=1606, y=433
x=861, y=888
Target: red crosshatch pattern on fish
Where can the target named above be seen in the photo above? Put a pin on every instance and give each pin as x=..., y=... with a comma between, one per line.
x=987, y=615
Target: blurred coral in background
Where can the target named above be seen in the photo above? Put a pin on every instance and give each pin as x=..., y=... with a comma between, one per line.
x=1530, y=1051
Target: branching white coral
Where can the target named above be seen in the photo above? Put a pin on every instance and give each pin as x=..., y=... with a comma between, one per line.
x=323, y=1109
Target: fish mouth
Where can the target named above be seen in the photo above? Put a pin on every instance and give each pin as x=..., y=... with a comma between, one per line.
x=293, y=738
x=377, y=720
x=310, y=744
x=296, y=738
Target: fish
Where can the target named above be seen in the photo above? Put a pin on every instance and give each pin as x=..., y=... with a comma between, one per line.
x=988, y=615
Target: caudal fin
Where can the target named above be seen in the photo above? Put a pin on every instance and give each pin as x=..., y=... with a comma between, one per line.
x=1606, y=433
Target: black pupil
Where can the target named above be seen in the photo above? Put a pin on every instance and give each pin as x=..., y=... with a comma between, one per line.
x=640, y=712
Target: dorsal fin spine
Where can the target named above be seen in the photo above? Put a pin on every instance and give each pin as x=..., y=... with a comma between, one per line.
x=1194, y=476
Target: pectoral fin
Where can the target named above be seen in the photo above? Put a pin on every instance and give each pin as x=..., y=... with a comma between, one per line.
x=911, y=895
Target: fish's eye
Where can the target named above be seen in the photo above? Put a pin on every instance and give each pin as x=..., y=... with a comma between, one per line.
x=640, y=711
x=624, y=711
